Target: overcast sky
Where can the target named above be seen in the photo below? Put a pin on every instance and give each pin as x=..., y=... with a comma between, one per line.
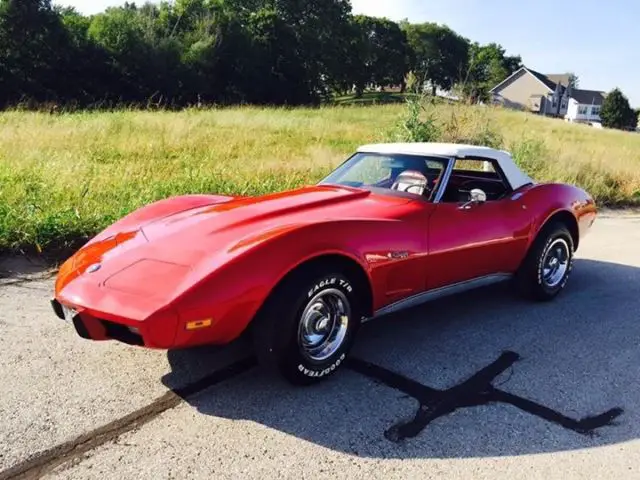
x=594, y=39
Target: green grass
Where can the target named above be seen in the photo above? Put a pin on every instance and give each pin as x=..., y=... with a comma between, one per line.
x=65, y=177
x=371, y=98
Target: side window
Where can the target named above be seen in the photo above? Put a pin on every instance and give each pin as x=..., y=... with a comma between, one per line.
x=464, y=165
x=469, y=174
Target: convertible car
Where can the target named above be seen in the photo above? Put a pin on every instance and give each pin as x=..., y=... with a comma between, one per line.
x=299, y=271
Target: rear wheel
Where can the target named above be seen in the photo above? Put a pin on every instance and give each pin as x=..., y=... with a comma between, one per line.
x=546, y=269
x=307, y=327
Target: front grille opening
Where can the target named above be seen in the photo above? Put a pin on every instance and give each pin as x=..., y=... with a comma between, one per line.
x=122, y=333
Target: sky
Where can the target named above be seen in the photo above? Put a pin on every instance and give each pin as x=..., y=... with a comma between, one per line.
x=587, y=37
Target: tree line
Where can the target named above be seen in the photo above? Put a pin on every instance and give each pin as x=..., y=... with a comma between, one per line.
x=201, y=52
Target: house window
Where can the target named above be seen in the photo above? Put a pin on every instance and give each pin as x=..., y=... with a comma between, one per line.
x=595, y=110
x=564, y=103
x=582, y=110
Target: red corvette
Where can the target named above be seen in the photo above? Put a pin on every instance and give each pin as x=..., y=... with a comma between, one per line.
x=394, y=225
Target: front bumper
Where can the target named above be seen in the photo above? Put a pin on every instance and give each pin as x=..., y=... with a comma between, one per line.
x=93, y=328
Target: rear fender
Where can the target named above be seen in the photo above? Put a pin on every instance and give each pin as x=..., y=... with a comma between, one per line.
x=546, y=201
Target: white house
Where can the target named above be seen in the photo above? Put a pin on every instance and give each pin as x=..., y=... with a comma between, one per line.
x=549, y=95
x=584, y=106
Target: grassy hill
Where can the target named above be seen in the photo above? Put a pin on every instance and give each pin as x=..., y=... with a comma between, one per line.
x=65, y=177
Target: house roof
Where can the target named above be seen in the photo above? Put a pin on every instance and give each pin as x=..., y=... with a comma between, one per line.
x=551, y=85
x=544, y=79
x=551, y=81
x=588, y=97
x=561, y=78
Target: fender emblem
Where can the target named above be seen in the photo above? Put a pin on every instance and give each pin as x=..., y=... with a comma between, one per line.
x=398, y=255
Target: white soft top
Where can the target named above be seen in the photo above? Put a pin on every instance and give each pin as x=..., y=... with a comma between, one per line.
x=516, y=177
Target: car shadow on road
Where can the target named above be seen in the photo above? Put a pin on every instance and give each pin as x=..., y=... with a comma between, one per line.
x=567, y=381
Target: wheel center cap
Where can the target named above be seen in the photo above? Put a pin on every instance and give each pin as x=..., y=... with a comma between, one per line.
x=323, y=324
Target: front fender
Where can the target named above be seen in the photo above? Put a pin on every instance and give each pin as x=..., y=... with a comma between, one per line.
x=234, y=291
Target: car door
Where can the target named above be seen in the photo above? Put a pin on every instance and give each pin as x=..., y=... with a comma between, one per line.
x=473, y=240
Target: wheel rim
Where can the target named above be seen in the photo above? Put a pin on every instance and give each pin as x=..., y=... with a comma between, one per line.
x=324, y=324
x=555, y=263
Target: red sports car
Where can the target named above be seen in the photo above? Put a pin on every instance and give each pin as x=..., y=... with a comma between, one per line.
x=394, y=225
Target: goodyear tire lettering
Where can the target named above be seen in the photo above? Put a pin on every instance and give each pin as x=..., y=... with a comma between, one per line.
x=323, y=372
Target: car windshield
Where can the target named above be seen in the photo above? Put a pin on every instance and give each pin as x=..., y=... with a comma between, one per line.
x=410, y=174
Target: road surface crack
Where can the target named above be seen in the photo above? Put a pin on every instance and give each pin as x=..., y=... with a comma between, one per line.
x=44, y=462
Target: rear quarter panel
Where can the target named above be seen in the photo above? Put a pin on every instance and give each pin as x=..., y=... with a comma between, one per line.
x=547, y=199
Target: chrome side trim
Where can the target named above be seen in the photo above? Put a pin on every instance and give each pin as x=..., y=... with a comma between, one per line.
x=444, y=182
x=436, y=293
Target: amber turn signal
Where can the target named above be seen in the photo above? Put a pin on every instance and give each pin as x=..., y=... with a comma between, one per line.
x=199, y=324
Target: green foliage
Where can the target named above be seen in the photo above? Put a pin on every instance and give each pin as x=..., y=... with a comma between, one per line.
x=574, y=81
x=419, y=123
x=381, y=52
x=34, y=51
x=422, y=123
x=439, y=55
x=488, y=65
x=616, y=111
x=531, y=155
x=203, y=52
x=53, y=192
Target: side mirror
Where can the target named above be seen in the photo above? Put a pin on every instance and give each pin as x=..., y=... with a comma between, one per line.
x=477, y=197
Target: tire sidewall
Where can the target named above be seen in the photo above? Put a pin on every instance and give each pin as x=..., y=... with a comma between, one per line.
x=293, y=361
x=544, y=289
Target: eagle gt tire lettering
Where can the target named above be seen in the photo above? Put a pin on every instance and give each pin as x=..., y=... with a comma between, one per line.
x=309, y=325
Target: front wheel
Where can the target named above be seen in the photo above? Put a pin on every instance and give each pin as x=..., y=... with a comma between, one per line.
x=308, y=325
x=545, y=271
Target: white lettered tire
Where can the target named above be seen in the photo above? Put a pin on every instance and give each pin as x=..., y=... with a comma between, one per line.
x=547, y=267
x=307, y=327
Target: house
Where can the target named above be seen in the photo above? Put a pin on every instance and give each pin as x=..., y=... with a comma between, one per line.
x=549, y=95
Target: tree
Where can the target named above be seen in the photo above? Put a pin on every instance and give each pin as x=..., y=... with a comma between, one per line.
x=381, y=52
x=616, y=111
x=488, y=66
x=175, y=53
x=33, y=44
x=440, y=55
x=278, y=75
x=574, y=81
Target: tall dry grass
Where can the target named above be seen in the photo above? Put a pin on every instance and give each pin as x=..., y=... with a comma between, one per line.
x=65, y=177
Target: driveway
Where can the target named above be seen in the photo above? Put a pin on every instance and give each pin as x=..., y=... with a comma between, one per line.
x=482, y=385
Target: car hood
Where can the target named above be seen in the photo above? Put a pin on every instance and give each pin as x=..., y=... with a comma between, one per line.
x=214, y=222
x=174, y=243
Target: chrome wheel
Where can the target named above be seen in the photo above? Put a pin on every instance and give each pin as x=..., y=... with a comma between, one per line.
x=324, y=324
x=556, y=263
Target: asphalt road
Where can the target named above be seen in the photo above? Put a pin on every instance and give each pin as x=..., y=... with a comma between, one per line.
x=482, y=385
